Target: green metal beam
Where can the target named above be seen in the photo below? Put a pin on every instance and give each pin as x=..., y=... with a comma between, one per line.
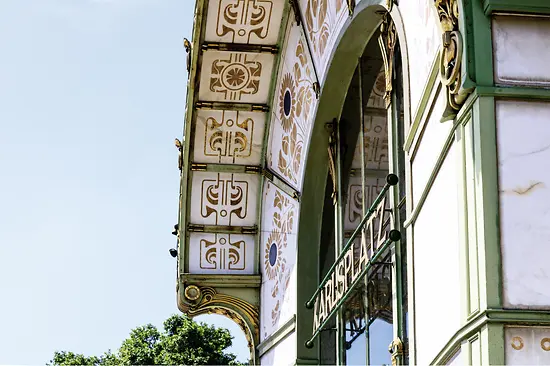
x=392, y=237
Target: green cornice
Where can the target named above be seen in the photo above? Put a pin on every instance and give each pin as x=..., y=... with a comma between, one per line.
x=516, y=6
x=220, y=280
x=490, y=316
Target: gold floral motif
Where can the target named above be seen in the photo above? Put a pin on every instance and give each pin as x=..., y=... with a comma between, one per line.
x=295, y=101
x=545, y=344
x=287, y=105
x=273, y=258
x=235, y=77
x=284, y=219
x=290, y=154
x=303, y=77
x=244, y=18
x=317, y=24
x=276, y=312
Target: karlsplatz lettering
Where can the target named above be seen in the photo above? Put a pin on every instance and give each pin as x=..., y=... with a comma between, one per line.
x=345, y=272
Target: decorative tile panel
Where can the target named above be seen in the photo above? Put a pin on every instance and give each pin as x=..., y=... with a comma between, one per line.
x=239, y=77
x=228, y=137
x=224, y=199
x=221, y=253
x=278, y=257
x=323, y=21
x=522, y=49
x=244, y=21
x=280, y=211
x=293, y=111
x=527, y=345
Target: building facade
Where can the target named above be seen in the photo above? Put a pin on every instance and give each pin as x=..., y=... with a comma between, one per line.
x=365, y=182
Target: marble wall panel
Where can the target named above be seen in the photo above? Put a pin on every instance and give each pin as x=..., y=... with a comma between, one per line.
x=523, y=139
x=521, y=50
x=323, y=20
x=284, y=354
x=293, y=110
x=527, y=345
x=224, y=199
x=277, y=258
x=437, y=282
x=429, y=147
x=244, y=21
x=236, y=77
x=221, y=253
x=423, y=41
x=228, y=137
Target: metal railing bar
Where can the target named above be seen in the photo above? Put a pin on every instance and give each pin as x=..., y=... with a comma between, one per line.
x=391, y=180
x=394, y=236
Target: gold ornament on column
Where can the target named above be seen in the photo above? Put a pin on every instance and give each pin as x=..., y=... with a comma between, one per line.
x=450, y=62
x=396, y=351
x=387, y=42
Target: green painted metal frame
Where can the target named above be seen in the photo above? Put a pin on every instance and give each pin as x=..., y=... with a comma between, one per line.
x=393, y=237
x=515, y=6
x=391, y=180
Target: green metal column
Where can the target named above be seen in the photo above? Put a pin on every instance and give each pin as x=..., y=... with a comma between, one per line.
x=393, y=149
x=363, y=193
x=338, y=245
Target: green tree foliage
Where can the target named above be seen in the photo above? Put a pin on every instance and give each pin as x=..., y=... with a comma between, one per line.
x=183, y=342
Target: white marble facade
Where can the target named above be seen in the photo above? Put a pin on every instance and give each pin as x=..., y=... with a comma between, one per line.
x=426, y=155
x=527, y=345
x=521, y=50
x=421, y=24
x=283, y=355
x=437, y=291
x=523, y=136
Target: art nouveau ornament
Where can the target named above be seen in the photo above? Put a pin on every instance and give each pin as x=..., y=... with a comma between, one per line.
x=206, y=300
x=387, y=41
x=450, y=64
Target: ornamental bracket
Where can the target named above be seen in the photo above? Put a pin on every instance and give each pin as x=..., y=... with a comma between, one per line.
x=396, y=351
x=450, y=58
x=194, y=300
x=387, y=42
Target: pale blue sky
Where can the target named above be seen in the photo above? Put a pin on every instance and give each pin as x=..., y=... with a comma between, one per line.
x=92, y=95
